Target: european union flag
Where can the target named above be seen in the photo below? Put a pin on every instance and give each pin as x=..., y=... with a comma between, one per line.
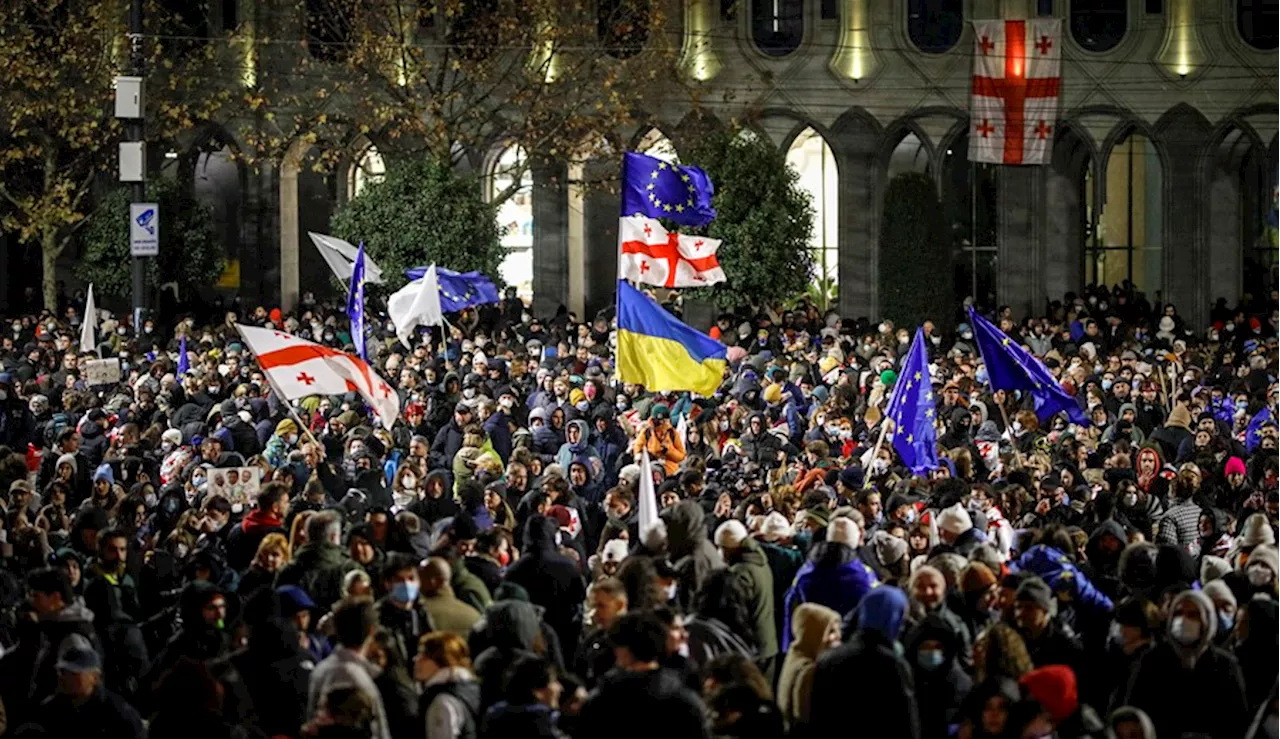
x=657, y=189
x=911, y=408
x=355, y=304
x=184, y=364
x=459, y=290
x=1253, y=432
x=1010, y=367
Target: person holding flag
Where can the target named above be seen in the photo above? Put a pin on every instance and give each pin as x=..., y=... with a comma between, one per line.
x=1010, y=367
x=911, y=411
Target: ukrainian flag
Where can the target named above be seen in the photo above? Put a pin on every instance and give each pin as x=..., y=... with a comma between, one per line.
x=658, y=351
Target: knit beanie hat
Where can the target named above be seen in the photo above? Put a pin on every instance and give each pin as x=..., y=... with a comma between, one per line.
x=889, y=549
x=976, y=577
x=1035, y=590
x=1054, y=688
x=954, y=520
x=731, y=534
x=1235, y=466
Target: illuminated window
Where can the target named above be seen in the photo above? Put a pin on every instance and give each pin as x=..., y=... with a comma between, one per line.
x=813, y=160
x=369, y=168
x=1126, y=243
x=515, y=217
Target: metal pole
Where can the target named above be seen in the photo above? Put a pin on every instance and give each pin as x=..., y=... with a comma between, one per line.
x=135, y=132
x=973, y=232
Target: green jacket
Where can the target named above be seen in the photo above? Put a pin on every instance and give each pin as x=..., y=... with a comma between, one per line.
x=751, y=564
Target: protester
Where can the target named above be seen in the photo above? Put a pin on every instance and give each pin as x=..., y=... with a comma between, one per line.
x=466, y=566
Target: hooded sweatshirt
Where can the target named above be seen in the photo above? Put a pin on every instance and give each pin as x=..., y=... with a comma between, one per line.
x=692, y=554
x=809, y=626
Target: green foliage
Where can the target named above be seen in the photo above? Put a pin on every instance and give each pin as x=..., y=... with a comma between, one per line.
x=190, y=253
x=915, y=265
x=762, y=215
x=423, y=212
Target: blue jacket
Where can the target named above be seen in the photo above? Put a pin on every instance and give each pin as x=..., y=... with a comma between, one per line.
x=834, y=577
x=499, y=433
x=1065, y=579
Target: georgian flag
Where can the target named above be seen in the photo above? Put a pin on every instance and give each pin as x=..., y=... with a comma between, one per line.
x=651, y=255
x=1017, y=83
x=298, y=368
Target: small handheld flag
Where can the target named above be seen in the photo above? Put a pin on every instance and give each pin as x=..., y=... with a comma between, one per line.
x=184, y=363
x=88, y=343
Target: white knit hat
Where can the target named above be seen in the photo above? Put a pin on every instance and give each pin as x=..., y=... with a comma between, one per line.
x=614, y=551
x=731, y=534
x=775, y=527
x=954, y=520
x=844, y=531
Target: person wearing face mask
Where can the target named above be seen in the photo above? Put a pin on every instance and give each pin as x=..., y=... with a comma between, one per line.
x=402, y=610
x=282, y=441
x=498, y=424
x=1186, y=684
x=941, y=685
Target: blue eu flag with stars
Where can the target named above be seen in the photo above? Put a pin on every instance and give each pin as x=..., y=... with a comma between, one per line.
x=658, y=189
x=459, y=290
x=911, y=408
x=1010, y=367
x=355, y=304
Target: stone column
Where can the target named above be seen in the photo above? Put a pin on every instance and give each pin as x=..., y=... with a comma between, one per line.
x=600, y=234
x=1019, y=265
x=550, y=239
x=1185, y=263
x=854, y=142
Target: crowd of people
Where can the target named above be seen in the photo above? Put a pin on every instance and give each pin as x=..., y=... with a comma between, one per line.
x=185, y=555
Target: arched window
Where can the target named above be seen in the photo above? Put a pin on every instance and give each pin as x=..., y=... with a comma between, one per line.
x=1125, y=245
x=1099, y=25
x=1257, y=21
x=934, y=26
x=368, y=168
x=622, y=26
x=813, y=161
x=777, y=26
x=515, y=217
x=656, y=144
x=328, y=29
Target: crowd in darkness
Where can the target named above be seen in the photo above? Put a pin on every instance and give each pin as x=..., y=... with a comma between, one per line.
x=480, y=568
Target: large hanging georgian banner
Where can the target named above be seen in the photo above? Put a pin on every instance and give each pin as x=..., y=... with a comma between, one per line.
x=1017, y=83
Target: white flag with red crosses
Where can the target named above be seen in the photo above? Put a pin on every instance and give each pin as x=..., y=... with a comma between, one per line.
x=298, y=368
x=1017, y=83
x=649, y=254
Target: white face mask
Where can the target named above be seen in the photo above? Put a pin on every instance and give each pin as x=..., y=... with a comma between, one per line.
x=291, y=439
x=1183, y=631
x=409, y=482
x=878, y=466
x=1258, y=575
x=506, y=403
x=670, y=592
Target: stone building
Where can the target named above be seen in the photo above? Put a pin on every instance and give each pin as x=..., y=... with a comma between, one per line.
x=1163, y=171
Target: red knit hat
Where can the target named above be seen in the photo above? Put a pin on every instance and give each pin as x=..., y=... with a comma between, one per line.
x=1234, y=465
x=1054, y=688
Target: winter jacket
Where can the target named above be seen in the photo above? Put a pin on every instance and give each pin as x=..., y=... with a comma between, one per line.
x=104, y=715
x=448, y=613
x=940, y=689
x=784, y=563
x=751, y=565
x=810, y=623
x=643, y=705
x=552, y=580
x=1065, y=579
x=1208, y=697
x=265, y=683
x=834, y=577
x=347, y=668
x=867, y=667
x=690, y=551
x=244, y=537
x=28, y=671
x=318, y=568
x=511, y=628
x=446, y=445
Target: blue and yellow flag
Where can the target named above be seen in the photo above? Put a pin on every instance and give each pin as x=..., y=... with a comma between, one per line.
x=1011, y=367
x=911, y=407
x=659, y=352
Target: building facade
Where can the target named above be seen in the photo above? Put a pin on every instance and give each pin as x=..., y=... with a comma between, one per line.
x=1163, y=170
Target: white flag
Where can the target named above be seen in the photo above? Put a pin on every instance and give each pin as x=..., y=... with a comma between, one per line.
x=648, y=253
x=416, y=304
x=341, y=255
x=648, y=499
x=297, y=368
x=88, y=322
x=1017, y=86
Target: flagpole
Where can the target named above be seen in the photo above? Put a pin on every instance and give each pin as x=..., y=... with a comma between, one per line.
x=875, y=451
x=1017, y=454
